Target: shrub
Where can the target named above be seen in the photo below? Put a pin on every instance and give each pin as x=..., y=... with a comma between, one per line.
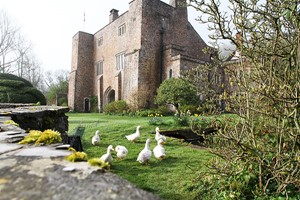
x=121, y=106
x=12, y=83
x=109, y=108
x=63, y=101
x=189, y=108
x=164, y=110
x=116, y=107
x=14, y=89
x=5, y=76
x=176, y=91
x=145, y=113
x=182, y=119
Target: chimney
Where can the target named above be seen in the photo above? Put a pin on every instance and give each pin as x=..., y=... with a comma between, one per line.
x=114, y=14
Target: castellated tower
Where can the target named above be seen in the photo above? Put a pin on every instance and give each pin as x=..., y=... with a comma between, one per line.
x=131, y=56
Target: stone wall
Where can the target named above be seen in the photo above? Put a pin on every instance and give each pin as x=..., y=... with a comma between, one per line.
x=14, y=105
x=39, y=117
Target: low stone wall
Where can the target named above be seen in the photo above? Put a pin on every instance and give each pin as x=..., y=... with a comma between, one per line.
x=14, y=105
x=42, y=172
x=38, y=117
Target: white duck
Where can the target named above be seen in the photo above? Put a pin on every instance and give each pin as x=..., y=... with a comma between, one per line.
x=159, y=150
x=107, y=157
x=134, y=136
x=96, y=138
x=158, y=136
x=121, y=152
x=145, y=155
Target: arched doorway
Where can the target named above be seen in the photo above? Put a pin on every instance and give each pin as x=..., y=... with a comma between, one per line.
x=109, y=95
x=87, y=105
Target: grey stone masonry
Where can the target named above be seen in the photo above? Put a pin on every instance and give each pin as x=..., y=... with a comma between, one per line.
x=41, y=172
x=38, y=117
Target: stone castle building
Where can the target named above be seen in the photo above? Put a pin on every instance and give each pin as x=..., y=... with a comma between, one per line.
x=133, y=54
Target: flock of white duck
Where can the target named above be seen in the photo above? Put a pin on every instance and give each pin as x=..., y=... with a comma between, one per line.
x=144, y=156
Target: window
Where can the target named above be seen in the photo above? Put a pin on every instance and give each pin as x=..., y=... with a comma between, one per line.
x=120, y=61
x=100, y=41
x=99, y=68
x=121, y=29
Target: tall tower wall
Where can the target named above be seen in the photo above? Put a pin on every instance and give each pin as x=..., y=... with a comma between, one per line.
x=81, y=79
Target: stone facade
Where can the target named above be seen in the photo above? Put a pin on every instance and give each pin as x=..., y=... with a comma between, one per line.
x=134, y=53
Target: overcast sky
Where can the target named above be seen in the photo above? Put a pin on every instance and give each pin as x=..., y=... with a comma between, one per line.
x=50, y=24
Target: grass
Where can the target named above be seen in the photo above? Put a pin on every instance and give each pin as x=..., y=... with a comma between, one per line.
x=172, y=178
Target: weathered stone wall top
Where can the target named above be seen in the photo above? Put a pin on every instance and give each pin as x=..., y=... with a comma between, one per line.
x=22, y=108
x=14, y=105
x=39, y=117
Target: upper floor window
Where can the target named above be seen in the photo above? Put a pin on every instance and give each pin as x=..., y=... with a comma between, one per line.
x=120, y=61
x=100, y=41
x=121, y=29
x=99, y=68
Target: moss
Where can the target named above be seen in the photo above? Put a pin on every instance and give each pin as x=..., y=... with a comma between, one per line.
x=32, y=137
x=38, y=137
x=99, y=163
x=76, y=156
x=49, y=137
x=11, y=122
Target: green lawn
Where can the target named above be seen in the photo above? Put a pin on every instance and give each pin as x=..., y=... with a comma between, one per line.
x=172, y=178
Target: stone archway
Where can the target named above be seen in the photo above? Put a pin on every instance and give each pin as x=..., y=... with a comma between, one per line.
x=109, y=95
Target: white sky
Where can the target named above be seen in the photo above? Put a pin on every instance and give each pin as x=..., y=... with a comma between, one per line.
x=49, y=25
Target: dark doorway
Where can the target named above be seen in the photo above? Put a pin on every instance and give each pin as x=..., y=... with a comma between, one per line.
x=111, y=96
x=86, y=105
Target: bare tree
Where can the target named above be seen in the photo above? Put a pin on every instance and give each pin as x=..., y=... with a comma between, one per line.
x=260, y=154
x=16, y=55
x=7, y=41
x=56, y=83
